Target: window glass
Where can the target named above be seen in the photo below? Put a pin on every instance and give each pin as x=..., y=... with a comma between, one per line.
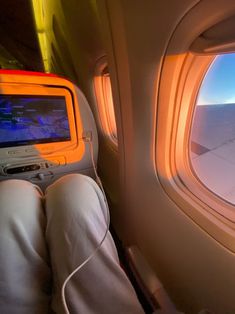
x=212, y=141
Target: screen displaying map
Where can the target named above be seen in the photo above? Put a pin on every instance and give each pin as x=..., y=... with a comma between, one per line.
x=26, y=120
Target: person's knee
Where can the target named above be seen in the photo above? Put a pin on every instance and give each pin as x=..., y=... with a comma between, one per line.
x=76, y=196
x=73, y=187
x=18, y=198
x=71, y=182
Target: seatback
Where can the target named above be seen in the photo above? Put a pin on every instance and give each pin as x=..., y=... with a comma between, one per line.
x=45, y=128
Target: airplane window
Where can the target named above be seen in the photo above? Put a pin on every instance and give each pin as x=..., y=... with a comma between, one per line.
x=212, y=141
x=107, y=89
x=105, y=104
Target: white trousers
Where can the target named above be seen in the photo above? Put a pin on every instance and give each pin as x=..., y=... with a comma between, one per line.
x=43, y=239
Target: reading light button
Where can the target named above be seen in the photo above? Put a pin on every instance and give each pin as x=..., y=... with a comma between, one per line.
x=30, y=151
x=14, y=152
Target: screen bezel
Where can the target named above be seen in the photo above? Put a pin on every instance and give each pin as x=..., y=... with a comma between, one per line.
x=40, y=91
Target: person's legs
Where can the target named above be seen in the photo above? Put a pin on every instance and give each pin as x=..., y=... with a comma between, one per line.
x=76, y=215
x=24, y=270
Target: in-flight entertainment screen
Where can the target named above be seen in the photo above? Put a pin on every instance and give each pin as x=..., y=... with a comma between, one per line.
x=27, y=120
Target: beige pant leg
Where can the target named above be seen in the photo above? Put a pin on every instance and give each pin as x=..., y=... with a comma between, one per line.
x=76, y=216
x=24, y=270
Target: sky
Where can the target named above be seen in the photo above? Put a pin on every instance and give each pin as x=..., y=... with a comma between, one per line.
x=218, y=86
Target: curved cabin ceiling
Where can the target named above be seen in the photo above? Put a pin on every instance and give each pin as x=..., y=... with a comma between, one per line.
x=69, y=36
x=19, y=45
x=68, y=33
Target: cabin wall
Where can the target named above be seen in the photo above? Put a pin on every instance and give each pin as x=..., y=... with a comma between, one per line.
x=196, y=270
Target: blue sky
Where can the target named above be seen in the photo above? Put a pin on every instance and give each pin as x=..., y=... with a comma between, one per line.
x=218, y=86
